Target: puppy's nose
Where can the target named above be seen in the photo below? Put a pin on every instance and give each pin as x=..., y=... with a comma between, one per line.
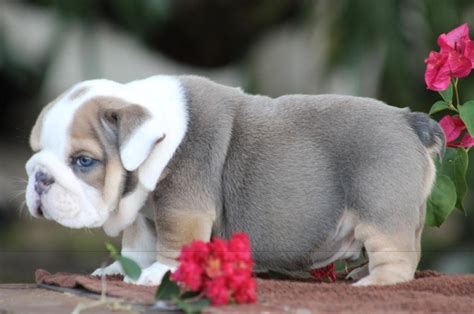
x=43, y=181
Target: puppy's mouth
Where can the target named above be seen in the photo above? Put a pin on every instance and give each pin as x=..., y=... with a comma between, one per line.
x=39, y=212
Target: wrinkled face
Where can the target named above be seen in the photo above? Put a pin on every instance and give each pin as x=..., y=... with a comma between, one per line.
x=76, y=176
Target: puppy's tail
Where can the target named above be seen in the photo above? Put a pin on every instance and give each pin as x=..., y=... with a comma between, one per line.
x=430, y=133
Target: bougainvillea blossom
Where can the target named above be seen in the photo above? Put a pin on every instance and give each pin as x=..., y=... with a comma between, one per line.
x=453, y=128
x=454, y=60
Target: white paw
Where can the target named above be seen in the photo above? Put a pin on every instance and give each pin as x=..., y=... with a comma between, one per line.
x=367, y=281
x=152, y=275
x=381, y=279
x=112, y=269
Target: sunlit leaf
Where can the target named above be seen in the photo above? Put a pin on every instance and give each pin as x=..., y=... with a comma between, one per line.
x=130, y=267
x=466, y=112
x=439, y=106
x=447, y=94
x=111, y=248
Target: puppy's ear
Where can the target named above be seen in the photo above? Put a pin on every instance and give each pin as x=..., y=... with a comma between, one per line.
x=135, y=131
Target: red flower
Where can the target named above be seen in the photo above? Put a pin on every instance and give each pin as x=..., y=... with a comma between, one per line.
x=457, y=42
x=192, y=260
x=455, y=59
x=240, y=246
x=197, y=252
x=321, y=274
x=466, y=142
x=221, y=269
x=453, y=127
x=438, y=74
x=217, y=291
x=190, y=275
x=245, y=293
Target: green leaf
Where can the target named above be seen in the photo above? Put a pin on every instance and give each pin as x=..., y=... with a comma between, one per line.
x=466, y=112
x=454, y=166
x=112, y=249
x=168, y=289
x=441, y=201
x=438, y=106
x=447, y=94
x=190, y=294
x=130, y=267
x=193, y=306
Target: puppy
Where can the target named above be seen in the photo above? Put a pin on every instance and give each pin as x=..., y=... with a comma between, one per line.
x=311, y=179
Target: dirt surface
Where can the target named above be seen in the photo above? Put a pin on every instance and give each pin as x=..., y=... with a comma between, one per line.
x=28, y=298
x=430, y=292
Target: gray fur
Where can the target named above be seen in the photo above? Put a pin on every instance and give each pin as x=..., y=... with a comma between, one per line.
x=285, y=169
x=429, y=131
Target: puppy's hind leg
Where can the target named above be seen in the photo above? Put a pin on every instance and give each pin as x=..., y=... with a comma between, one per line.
x=393, y=256
x=390, y=227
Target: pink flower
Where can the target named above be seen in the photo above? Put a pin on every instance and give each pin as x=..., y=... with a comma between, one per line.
x=438, y=73
x=453, y=127
x=466, y=142
x=455, y=59
x=457, y=41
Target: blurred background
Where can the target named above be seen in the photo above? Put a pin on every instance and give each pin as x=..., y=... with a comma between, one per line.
x=365, y=47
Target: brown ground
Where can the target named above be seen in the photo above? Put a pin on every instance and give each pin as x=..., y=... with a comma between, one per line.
x=428, y=293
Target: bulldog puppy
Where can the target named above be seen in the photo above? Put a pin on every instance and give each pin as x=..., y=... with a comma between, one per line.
x=311, y=179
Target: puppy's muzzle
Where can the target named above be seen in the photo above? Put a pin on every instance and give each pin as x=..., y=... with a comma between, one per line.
x=43, y=182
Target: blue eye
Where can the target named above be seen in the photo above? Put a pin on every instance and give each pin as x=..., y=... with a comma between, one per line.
x=83, y=162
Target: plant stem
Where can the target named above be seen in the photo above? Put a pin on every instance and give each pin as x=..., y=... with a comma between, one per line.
x=452, y=107
x=456, y=80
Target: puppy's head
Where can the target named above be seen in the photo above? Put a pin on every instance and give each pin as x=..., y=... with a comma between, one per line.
x=88, y=144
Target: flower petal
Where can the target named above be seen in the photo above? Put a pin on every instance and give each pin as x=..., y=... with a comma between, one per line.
x=459, y=65
x=467, y=141
x=469, y=51
x=437, y=75
x=454, y=37
x=452, y=126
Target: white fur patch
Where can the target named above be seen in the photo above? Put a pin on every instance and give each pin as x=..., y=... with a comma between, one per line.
x=69, y=201
x=138, y=147
x=138, y=243
x=164, y=98
x=126, y=213
x=75, y=204
x=152, y=275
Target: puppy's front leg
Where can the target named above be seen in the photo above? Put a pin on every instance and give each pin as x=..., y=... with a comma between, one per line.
x=138, y=243
x=175, y=229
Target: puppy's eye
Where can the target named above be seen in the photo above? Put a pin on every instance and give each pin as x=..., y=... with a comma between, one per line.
x=83, y=162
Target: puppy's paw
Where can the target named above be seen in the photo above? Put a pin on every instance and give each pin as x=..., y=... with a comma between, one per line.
x=152, y=275
x=379, y=279
x=112, y=269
